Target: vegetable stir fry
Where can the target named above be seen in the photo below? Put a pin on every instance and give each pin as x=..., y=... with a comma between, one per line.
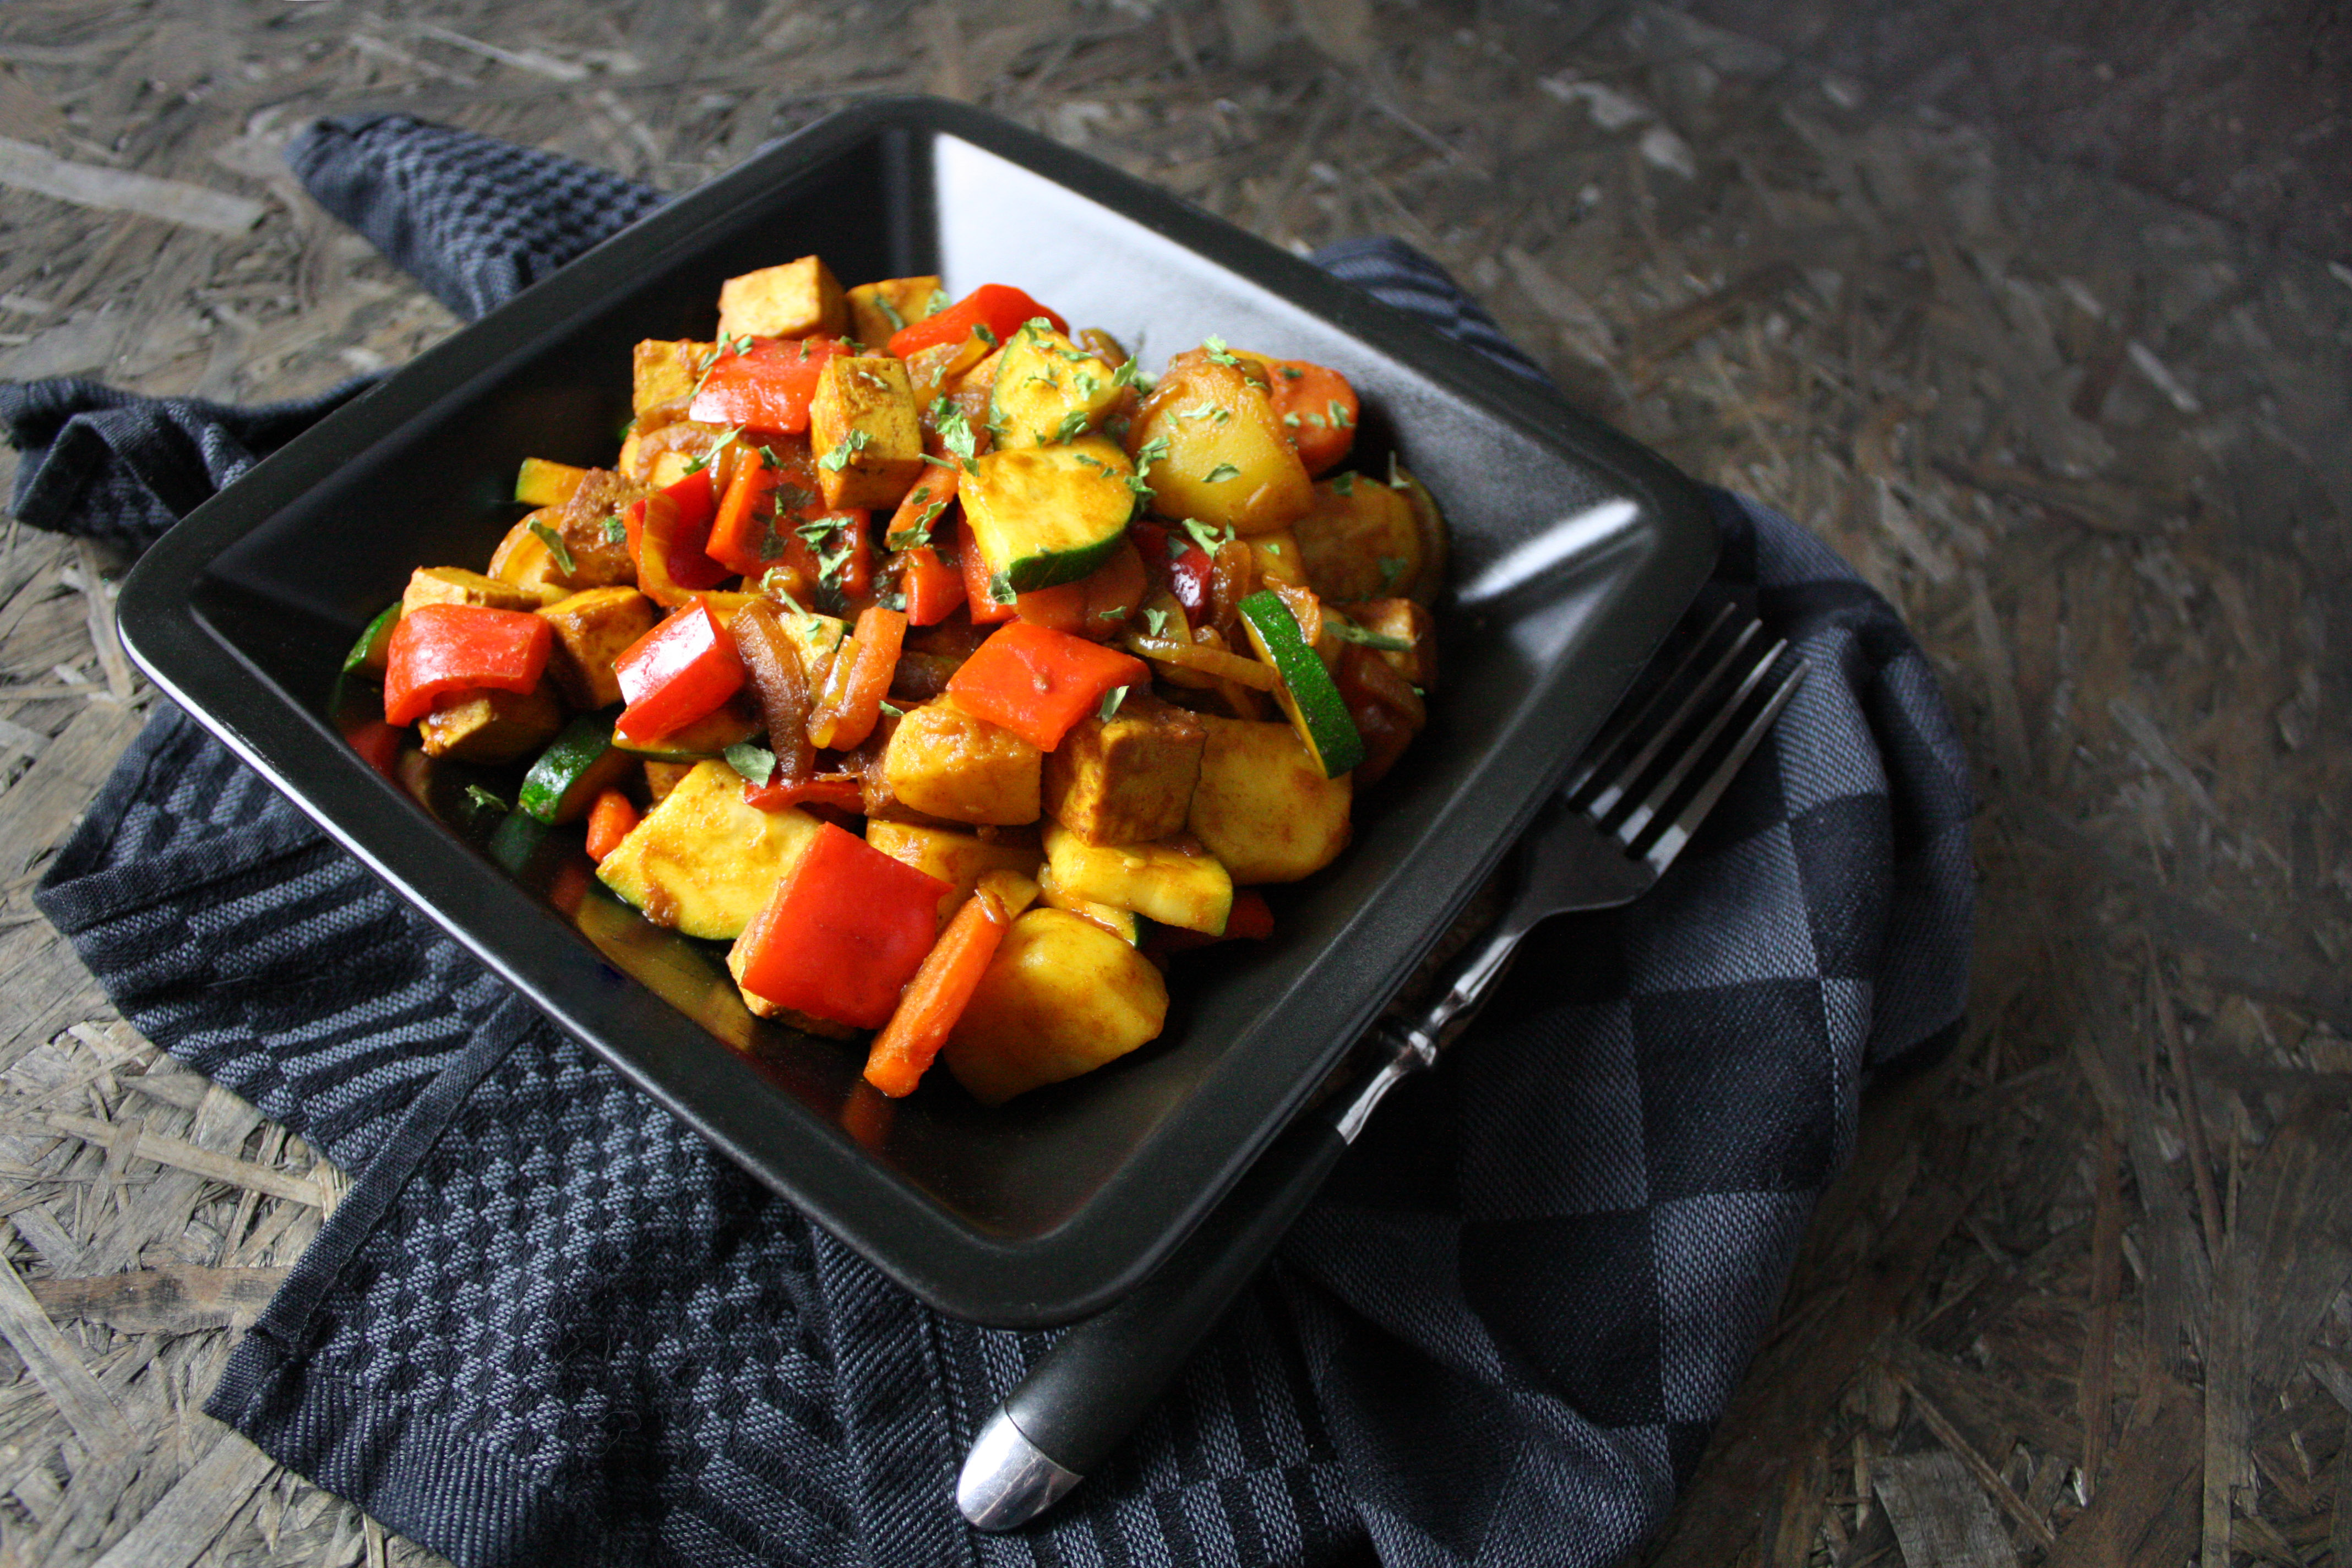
x=951, y=670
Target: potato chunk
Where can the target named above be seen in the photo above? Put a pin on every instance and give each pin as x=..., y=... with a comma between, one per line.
x=1361, y=541
x=862, y=426
x=1263, y=807
x=947, y=762
x=1127, y=778
x=878, y=310
x=959, y=859
x=524, y=561
x=592, y=630
x=1061, y=997
x=492, y=726
x=1226, y=461
x=703, y=861
x=456, y=585
x=793, y=301
x=1175, y=882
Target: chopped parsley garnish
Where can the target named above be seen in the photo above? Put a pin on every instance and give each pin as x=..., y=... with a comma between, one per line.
x=1125, y=375
x=1290, y=372
x=1155, y=621
x=889, y=312
x=857, y=441
x=554, y=542
x=790, y=497
x=483, y=800
x=892, y=709
x=1220, y=474
x=1216, y=349
x=937, y=302
x=980, y=330
x=1391, y=568
x=955, y=433
x=615, y=530
x=754, y=762
x=999, y=590
x=1292, y=421
x=1111, y=699
x=1073, y=425
x=771, y=546
x=1339, y=418
x=1344, y=484
x=1208, y=539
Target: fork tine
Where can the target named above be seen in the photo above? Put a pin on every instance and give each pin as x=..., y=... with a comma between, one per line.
x=1689, y=756
x=1629, y=775
x=1678, y=832
x=1628, y=722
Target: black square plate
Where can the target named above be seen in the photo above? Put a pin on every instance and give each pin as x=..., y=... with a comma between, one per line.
x=1575, y=550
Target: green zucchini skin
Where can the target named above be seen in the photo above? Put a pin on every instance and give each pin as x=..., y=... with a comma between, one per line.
x=699, y=741
x=368, y=653
x=578, y=766
x=1307, y=693
x=1048, y=515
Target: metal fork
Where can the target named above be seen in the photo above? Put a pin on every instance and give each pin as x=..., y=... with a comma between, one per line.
x=1630, y=803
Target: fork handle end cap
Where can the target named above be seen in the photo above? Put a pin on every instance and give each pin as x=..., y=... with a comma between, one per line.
x=1008, y=1480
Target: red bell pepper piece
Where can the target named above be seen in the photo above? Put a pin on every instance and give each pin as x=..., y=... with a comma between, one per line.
x=848, y=927
x=984, y=607
x=1189, y=577
x=932, y=582
x=1037, y=683
x=378, y=744
x=846, y=791
x=439, y=648
x=677, y=673
x=769, y=388
x=1062, y=607
x=851, y=703
x=672, y=562
x=1250, y=920
x=999, y=307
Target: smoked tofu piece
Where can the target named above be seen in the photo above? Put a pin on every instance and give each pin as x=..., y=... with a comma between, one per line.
x=795, y=300
x=1263, y=807
x=1362, y=541
x=592, y=630
x=663, y=372
x=955, y=858
x=946, y=762
x=862, y=426
x=492, y=726
x=1061, y=997
x=704, y=862
x=878, y=310
x=1127, y=778
x=456, y=585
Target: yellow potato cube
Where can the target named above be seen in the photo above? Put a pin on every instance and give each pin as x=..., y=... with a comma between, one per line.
x=1225, y=459
x=1061, y=997
x=958, y=858
x=946, y=762
x=795, y=300
x=1263, y=807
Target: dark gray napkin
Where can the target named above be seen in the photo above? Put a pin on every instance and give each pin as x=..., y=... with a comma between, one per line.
x=548, y=1324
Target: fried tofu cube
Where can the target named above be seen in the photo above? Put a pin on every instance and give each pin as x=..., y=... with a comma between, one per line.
x=1127, y=779
x=663, y=372
x=793, y=301
x=863, y=427
x=456, y=585
x=1263, y=807
x=878, y=310
x=592, y=630
x=946, y=762
x=492, y=726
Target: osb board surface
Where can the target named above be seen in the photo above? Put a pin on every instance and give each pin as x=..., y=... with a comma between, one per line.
x=2080, y=1298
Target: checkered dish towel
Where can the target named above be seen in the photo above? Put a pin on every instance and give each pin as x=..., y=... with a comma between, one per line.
x=550, y=1325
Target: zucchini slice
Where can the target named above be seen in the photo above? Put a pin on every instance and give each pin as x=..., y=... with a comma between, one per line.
x=1048, y=390
x=1047, y=515
x=577, y=766
x=704, y=739
x=368, y=655
x=542, y=483
x=1306, y=692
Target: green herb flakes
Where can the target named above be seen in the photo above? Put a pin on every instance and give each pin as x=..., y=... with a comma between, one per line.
x=754, y=762
x=555, y=547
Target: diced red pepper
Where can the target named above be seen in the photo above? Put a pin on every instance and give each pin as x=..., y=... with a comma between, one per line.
x=678, y=672
x=1250, y=920
x=1189, y=577
x=846, y=791
x=672, y=562
x=984, y=607
x=378, y=744
x=848, y=927
x=932, y=582
x=769, y=388
x=999, y=307
x=439, y=648
x=1037, y=683
x=743, y=535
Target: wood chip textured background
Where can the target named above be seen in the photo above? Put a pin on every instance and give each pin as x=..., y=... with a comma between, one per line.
x=2082, y=1298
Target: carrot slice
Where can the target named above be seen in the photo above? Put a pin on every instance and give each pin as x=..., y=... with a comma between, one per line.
x=609, y=822
x=936, y=997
